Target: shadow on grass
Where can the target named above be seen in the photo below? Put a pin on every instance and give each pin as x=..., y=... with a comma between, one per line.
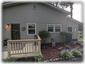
x=31, y=59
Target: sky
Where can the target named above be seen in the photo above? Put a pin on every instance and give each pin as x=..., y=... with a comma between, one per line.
x=77, y=11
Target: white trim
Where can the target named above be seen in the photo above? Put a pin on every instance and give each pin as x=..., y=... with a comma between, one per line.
x=27, y=28
x=54, y=27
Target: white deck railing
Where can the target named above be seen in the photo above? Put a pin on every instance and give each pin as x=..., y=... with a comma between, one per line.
x=24, y=47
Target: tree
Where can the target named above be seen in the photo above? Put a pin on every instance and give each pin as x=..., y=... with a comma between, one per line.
x=68, y=4
x=64, y=5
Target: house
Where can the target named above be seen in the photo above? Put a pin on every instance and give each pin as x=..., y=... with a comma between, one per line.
x=24, y=20
x=27, y=19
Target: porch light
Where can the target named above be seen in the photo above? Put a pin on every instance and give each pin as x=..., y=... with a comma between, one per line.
x=7, y=27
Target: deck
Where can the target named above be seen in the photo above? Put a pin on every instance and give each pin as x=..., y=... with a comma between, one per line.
x=22, y=48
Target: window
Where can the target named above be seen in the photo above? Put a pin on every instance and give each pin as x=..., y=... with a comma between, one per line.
x=57, y=28
x=54, y=27
x=50, y=28
x=31, y=28
x=69, y=29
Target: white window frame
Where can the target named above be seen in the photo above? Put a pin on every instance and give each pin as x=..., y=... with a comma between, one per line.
x=60, y=27
x=27, y=28
x=54, y=27
x=70, y=31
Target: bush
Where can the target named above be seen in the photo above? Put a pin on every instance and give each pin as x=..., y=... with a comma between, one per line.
x=76, y=53
x=66, y=37
x=44, y=34
x=81, y=50
x=66, y=55
x=39, y=58
x=5, y=42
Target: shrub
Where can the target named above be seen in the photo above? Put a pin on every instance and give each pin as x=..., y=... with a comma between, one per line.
x=81, y=50
x=39, y=58
x=66, y=55
x=76, y=53
x=44, y=34
x=66, y=37
x=5, y=42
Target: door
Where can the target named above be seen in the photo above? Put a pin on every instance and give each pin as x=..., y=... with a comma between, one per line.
x=15, y=31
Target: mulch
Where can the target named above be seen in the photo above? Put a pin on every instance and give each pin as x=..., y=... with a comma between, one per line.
x=50, y=53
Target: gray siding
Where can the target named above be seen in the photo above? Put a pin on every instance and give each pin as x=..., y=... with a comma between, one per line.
x=41, y=16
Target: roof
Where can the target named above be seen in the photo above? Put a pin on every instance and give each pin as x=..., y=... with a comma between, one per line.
x=8, y=4
x=73, y=20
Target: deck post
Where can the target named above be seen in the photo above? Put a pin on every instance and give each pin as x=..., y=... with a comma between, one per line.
x=8, y=49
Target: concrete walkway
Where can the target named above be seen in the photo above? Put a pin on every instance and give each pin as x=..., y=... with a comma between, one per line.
x=4, y=53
